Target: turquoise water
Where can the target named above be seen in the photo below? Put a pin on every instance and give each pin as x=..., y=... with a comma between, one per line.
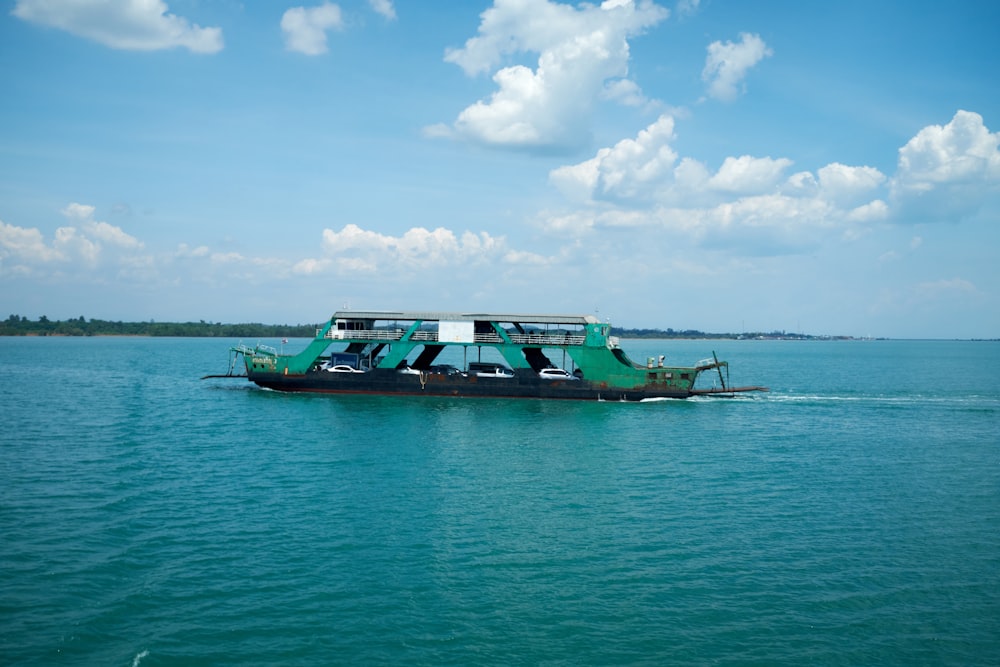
x=849, y=517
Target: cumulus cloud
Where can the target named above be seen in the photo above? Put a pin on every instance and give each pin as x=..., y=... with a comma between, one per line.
x=72, y=243
x=138, y=25
x=947, y=172
x=647, y=168
x=961, y=151
x=579, y=50
x=748, y=175
x=944, y=173
x=727, y=65
x=384, y=7
x=20, y=246
x=848, y=186
x=359, y=249
x=86, y=254
x=102, y=232
x=305, y=27
x=86, y=244
x=625, y=170
x=642, y=182
x=90, y=251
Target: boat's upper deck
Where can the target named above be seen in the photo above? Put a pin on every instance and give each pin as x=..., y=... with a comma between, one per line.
x=433, y=316
x=460, y=328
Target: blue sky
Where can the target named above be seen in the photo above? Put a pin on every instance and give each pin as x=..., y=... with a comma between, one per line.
x=829, y=168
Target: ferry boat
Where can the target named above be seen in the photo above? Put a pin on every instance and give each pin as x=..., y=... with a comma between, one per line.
x=473, y=355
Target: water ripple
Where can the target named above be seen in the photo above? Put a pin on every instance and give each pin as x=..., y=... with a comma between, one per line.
x=152, y=519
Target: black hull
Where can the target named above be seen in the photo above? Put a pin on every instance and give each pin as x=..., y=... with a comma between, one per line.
x=523, y=385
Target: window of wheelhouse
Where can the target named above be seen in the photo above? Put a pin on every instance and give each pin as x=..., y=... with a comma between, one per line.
x=352, y=325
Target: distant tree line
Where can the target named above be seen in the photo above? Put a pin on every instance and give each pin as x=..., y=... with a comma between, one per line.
x=664, y=333
x=694, y=333
x=15, y=325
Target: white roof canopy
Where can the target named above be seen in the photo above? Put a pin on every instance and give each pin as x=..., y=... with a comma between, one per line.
x=413, y=315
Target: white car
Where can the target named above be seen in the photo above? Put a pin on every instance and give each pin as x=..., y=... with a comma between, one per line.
x=342, y=368
x=495, y=373
x=555, y=374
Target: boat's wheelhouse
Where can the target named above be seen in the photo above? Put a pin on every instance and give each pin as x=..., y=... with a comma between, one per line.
x=342, y=327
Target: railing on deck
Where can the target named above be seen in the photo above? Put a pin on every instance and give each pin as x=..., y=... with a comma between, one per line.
x=432, y=337
x=366, y=334
x=546, y=339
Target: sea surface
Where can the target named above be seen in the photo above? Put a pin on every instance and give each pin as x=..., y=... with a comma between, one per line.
x=851, y=516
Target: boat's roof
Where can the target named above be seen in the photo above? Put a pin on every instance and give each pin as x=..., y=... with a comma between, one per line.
x=413, y=315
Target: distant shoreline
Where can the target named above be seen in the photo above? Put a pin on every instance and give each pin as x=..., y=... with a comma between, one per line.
x=21, y=326
x=16, y=325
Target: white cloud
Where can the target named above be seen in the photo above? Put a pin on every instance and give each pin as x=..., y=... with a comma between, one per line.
x=947, y=173
x=644, y=168
x=311, y=266
x=112, y=235
x=73, y=244
x=139, y=25
x=184, y=251
x=748, y=201
x=580, y=49
x=727, y=65
x=766, y=210
x=82, y=212
x=624, y=91
x=100, y=231
x=749, y=175
x=417, y=247
x=384, y=7
x=750, y=206
x=626, y=170
x=944, y=173
x=963, y=150
x=525, y=258
x=20, y=245
x=89, y=251
x=849, y=186
x=691, y=176
x=579, y=182
x=687, y=7
x=873, y=211
x=86, y=245
x=305, y=27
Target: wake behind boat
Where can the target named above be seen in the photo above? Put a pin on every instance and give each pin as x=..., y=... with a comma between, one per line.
x=502, y=355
